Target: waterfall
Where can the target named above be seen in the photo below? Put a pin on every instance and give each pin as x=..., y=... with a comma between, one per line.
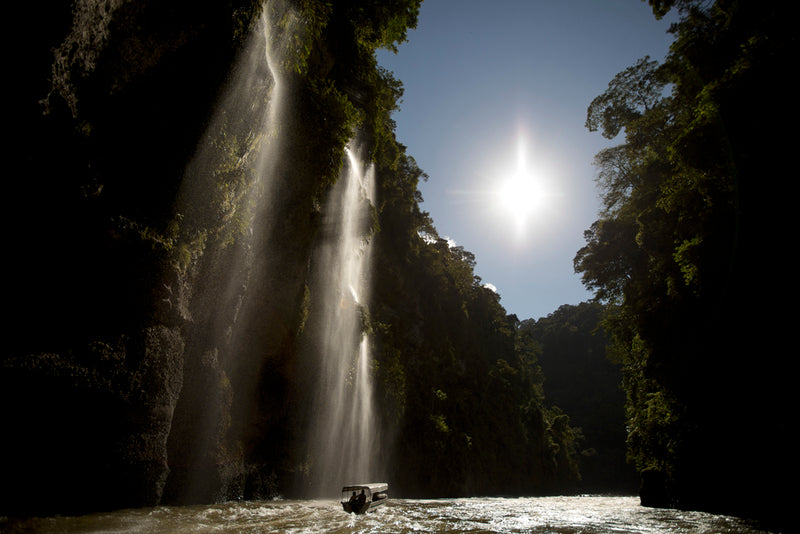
x=342, y=432
x=228, y=209
x=273, y=309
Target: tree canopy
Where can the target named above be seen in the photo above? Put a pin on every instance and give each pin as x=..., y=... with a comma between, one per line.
x=688, y=196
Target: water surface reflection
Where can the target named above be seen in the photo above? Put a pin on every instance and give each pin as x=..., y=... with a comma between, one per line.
x=551, y=515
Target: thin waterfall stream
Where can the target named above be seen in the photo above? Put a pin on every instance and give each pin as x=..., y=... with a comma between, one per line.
x=237, y=196
x=342, y=429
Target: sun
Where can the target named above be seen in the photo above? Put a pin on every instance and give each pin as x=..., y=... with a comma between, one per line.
x=521, y=194
x=519, y=197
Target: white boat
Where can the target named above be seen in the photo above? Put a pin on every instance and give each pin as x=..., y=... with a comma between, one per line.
x=360, y=498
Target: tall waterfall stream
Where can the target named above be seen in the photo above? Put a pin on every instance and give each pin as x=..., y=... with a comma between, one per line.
x=341, y=438
x=337, y=429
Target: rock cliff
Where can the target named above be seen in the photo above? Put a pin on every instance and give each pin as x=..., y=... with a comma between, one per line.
x=120, y=385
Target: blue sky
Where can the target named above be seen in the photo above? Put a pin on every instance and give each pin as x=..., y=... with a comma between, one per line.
x=498, y=90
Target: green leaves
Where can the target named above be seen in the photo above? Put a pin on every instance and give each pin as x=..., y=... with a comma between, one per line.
x=687, y=199
x=630, y=94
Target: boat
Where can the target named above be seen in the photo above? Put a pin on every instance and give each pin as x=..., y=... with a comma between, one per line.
x=361, y=498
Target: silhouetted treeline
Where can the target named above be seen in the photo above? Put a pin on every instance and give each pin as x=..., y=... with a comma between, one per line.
x=694, y=197
x=581, y=381
x=460, y=385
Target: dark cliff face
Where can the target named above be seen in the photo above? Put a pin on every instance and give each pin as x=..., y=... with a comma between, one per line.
x=107, y=367
x=108, y=113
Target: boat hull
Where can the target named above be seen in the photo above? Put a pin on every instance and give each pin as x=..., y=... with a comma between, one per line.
x=364, y=508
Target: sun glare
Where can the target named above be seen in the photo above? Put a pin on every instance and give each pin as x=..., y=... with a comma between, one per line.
x=519, y=197
x=521, y=193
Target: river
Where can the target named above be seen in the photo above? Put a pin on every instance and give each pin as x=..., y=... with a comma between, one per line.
x=552, y=515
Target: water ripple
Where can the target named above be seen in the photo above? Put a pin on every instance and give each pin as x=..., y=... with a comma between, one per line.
x=543, y=515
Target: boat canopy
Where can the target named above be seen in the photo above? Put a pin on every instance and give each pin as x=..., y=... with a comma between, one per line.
x=369, y=490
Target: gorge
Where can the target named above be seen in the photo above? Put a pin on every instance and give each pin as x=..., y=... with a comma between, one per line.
x=222, y=287
x=229, y=295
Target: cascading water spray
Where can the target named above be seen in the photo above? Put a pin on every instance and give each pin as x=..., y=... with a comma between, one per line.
x=249, y=203
x=343, y=433
x=226, y=213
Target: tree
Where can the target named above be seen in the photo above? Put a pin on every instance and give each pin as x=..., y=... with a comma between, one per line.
x=675, y=253
x=582, y=381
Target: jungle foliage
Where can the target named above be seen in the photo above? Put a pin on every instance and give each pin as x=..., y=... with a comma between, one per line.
x=581, y=381
x=461, y=385
x=680, y=255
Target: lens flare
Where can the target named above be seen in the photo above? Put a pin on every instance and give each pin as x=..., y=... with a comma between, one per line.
x=521, y=196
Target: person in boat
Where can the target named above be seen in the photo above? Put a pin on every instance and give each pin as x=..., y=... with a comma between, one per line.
x=353, y=499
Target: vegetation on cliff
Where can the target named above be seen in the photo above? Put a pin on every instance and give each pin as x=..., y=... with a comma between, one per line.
x=122, y=370
x=581, y=381
x=461, y=385
x=679, y=254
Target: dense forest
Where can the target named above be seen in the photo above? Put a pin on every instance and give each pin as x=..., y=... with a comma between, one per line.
x=133, y=376
x=693, y=195
x=585, y=386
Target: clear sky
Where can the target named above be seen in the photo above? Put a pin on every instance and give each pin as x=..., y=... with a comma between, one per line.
x=496, y=95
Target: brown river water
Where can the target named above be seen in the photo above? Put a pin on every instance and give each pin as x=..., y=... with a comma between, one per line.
x=553, y=515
